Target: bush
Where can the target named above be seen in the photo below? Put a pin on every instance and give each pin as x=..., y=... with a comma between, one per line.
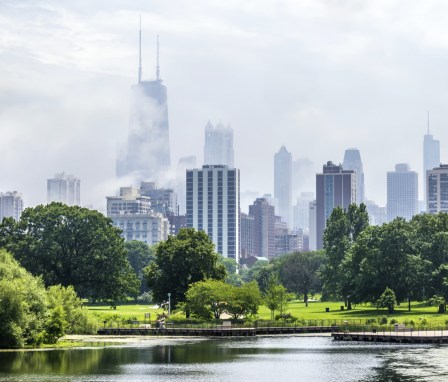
x=370, y=321
x=393, y=321
x=382, y=320
x=145, y=297
x=423, y=322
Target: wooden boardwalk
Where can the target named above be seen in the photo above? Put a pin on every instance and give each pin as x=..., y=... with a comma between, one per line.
x=409, y=336
x=216, y=331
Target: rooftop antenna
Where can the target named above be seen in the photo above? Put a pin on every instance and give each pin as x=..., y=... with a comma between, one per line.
x=140, y=52
x=428, y=120
x=158, y=67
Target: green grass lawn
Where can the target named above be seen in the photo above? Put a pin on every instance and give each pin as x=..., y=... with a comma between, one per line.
x=314, y=311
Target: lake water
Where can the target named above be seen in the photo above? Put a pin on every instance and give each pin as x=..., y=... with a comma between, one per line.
x=273, y=359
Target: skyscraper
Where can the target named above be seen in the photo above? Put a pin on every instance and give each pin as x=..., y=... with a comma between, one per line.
x=64, y=188
x=402, y=192
x=431, y=156
x=264, y=228
x=283, y=184
x=335, y=187
x=218, y=146
x=147, y=154
x=301, y=211
x=437, y=189
x=213, y=206
x=11, y=205
x=352, y=161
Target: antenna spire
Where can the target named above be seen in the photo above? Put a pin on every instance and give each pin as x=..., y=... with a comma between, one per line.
x=158, y=67
x=428, y=120
x=140, y=52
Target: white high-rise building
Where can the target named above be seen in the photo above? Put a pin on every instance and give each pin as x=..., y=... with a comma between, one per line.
x=437, y=189
x=218, y=147
x=11, y=205
x=402, y=192
x=431, y=157
x=352, y=161
x=283, y=184
x=65, y=189
x=301, y=211
x=312, y=244
x=213, y=206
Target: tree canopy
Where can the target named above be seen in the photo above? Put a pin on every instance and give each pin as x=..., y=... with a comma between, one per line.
x=181, y=261
x=72, y=246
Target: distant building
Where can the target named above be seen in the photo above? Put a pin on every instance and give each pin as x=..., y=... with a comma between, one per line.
x=431, y=156
x=247, y=235
x=352, y=161
x=218, y=147
x=213, y=206
x=184, y=164
x=286, y=241
x=377, y=214
x=283, y=184
x=264, y=228
x=147, y=154
x=402, y=192
x=335, y=187
x=11, y=205
x=163, y=200
x=64, y=188
x=437, y=189
x=132, y=213
x=312, y=238
x=301, y=211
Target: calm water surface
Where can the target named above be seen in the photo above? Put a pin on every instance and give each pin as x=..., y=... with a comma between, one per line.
x=256, y=359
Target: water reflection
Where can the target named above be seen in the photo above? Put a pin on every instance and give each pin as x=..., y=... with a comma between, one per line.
x=261, y=359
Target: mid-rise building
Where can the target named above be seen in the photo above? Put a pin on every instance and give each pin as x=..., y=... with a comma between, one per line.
x=402, y=192
x=163, y=200
x=283, y=184
x=264, y=228
x=377, y=214
x=335, y=187
x=352, y=161
x=286, y=241
x=64, y=188
x=132, y=213
x=213, y=206
x=11, y=205
x=247, y=235
x=437, y=189
x=218, y=147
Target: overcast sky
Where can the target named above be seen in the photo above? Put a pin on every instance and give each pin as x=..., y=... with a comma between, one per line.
x=316, y=76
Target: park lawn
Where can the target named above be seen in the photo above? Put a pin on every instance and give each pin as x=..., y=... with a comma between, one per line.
x=316, y=311
x=126, y=311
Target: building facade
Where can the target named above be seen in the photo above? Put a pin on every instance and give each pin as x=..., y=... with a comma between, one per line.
x=335, y=187
x=402, y=192
x=11, y=205
x=247, y=235
x=132, y=213
x=437, y=189
x=64, y=188
x=352, y=161
x=301, y=211
x=431, y=157
x=264, y=228
x=218, y=146
x=283, y=184
x=213, y=206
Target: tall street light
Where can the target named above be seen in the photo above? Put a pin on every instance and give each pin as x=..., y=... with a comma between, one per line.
x=169, y=304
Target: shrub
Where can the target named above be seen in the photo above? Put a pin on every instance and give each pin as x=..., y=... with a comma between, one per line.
x=393, y=321
x=382, y=320
x=370, y=321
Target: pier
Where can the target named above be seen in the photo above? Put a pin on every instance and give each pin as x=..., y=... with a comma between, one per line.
x=406, y=337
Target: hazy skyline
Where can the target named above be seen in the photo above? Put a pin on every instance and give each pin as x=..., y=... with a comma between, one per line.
x=316, y=76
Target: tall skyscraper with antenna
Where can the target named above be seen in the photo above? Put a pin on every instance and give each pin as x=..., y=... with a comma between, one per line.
x=147, y=155
x=431, y=156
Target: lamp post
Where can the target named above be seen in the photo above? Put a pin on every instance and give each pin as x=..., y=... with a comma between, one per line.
x=169, y=304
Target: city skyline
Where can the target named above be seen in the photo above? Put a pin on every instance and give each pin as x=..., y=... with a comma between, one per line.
x=66, y=104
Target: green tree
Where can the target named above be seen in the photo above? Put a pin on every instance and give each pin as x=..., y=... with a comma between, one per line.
x=299, y=272
x=23, y=304
x=244, y=301
x=72, y=246
x=139, y=255
x=261, y=272
x=387, y=300
x=207, y=299
x=181, y=261
x=276, y=297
